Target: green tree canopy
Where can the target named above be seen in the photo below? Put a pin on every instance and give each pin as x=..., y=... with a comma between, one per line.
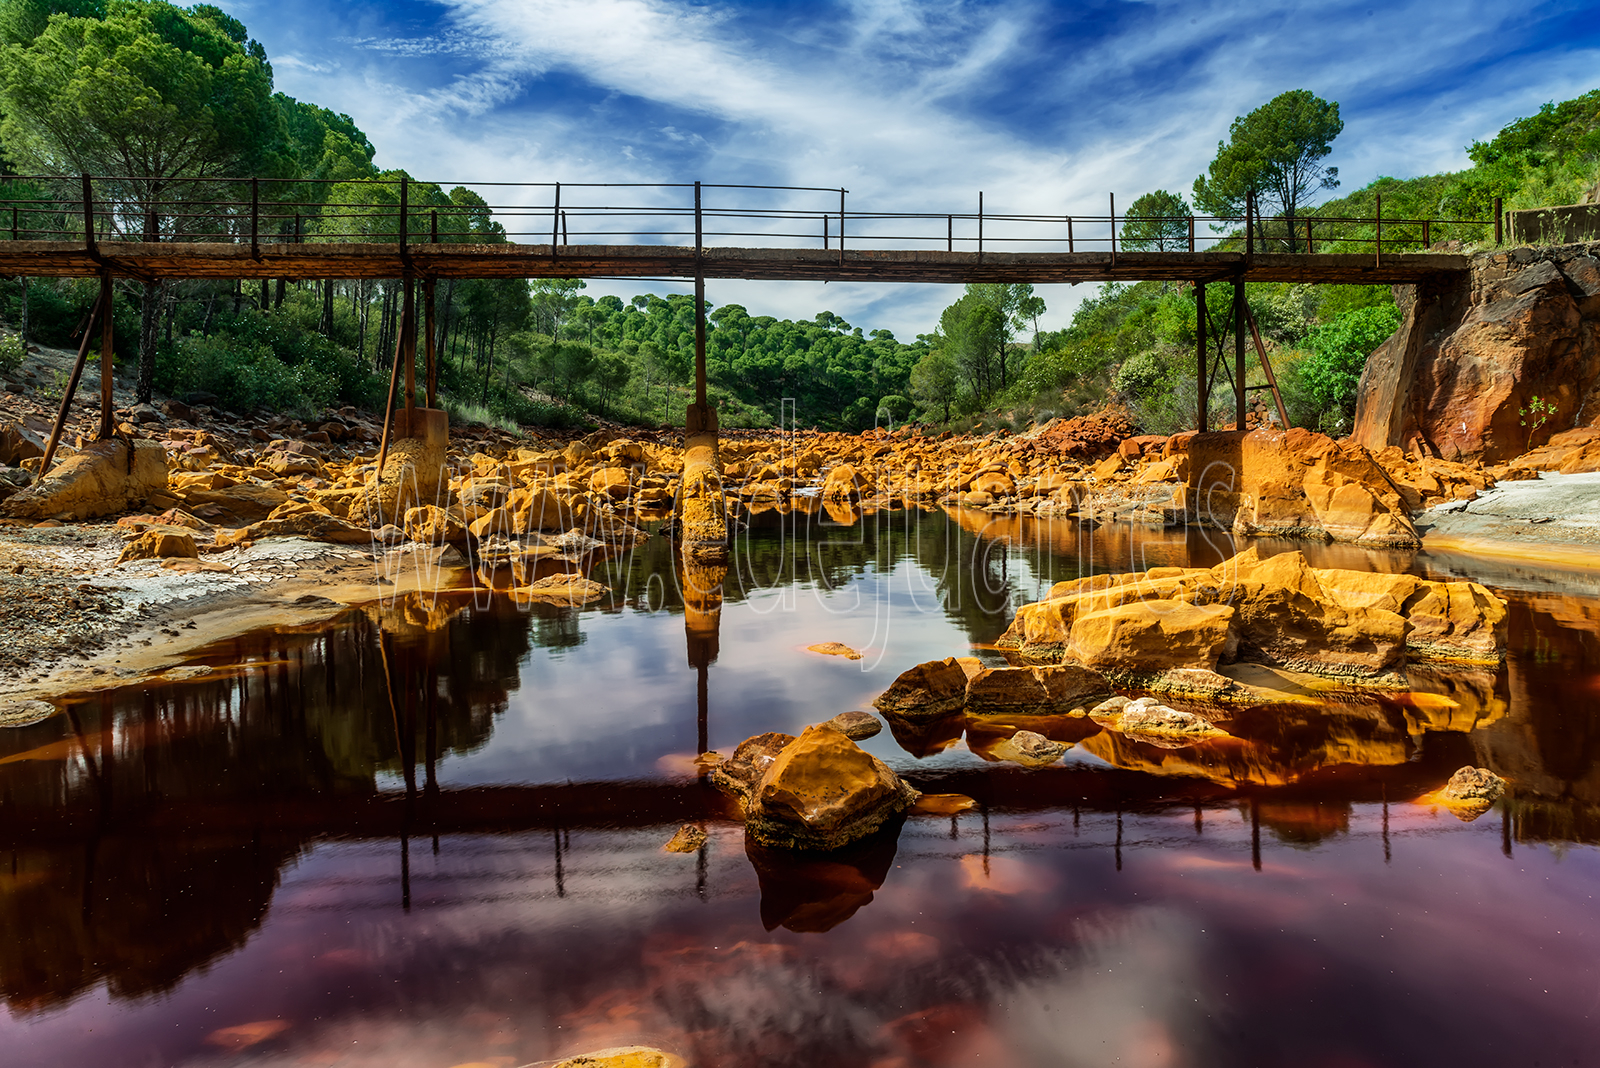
x=1157, y=222
x=159, y=94
x=1276, y=153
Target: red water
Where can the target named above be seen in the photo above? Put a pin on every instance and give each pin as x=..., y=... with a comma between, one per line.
x=291, y=861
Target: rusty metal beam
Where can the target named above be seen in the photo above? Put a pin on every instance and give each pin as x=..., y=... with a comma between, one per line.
x=64, y=259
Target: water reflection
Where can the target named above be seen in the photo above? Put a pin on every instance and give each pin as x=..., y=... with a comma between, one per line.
x=496, y=770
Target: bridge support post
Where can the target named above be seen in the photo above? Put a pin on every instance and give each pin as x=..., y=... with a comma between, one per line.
x=416, y=439
x=108, y=422
x=429, y=329
x=1238, y=351
x=700, y=512
x=1202, y=382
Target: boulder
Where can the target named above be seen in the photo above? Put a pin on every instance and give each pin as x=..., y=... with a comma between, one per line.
x=936, y=688
x=995, y=484
x=160, y=543
x=738, y=775
x=1148, y=637
x=844, y=483
x=432, y=525
x=234, y=505
x=614, y=482
x=1289, y=484
x=18, y=443
x=822, y=792
x=314, y=526
x=856, y=725
x=1034, y=691
x=104, y=478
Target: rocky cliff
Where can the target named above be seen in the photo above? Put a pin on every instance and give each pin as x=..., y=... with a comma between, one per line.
x=1471, y=353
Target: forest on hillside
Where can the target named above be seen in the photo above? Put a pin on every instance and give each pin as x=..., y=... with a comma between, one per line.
x=183, y=98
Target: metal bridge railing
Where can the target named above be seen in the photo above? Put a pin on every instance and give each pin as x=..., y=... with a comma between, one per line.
x=259, y=211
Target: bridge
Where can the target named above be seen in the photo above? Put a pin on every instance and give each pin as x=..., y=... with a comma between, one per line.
x=154, y=230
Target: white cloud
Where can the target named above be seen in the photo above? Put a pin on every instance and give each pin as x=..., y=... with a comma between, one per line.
x=893, y=99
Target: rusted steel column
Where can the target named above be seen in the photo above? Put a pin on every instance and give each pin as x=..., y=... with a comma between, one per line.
x=1203, y=392
x=408, y=343
x=1238, y=350
x=72, y=387
x=429, y=354
x=108, y=424
x=699, y=309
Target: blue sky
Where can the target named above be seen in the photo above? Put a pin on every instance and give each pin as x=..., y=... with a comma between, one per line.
x=1046, y=107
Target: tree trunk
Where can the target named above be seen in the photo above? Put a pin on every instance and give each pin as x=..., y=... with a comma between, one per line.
x=149, y=333
x=238, y=294
x=327, y=307
x=266, y=296
x=277, y=298
x=205, y=324
x=22, y=331
x=363, y=304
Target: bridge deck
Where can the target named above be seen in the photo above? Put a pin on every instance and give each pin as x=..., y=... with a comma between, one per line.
x=179, y=260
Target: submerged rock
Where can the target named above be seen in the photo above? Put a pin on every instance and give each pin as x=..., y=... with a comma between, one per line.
x=1146, y=716
x=1029, y=749
x=689, y=839
x=1471, y=784
x=623, y=1057
x=567, y=589
x=835, y=649
x=822, y=791
x=856, y=725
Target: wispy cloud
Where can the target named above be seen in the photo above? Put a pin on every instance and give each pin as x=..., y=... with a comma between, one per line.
x=913, y=106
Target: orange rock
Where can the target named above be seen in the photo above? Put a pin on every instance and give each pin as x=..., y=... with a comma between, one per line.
x=1033, y=691
x=614, y=482
x=432, y=525
x=936, y=688
x=160, y=543
x=1148, y=637
x=823, y=791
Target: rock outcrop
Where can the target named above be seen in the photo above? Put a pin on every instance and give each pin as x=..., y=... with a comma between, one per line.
x=1362, y=627
x=1470, y=355
x=103, y=478
x=1289, y=484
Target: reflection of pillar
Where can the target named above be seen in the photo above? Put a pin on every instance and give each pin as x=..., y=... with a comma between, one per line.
x=702, y=620
x=1255, y=835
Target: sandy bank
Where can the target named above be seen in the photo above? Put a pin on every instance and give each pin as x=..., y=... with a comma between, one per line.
x=1553, y=519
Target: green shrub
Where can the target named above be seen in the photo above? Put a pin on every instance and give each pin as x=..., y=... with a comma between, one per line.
x=1339, y=351
x=245, y=377
x=12, y=353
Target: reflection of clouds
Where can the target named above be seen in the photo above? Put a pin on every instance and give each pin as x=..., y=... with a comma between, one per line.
x=1131, y=992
